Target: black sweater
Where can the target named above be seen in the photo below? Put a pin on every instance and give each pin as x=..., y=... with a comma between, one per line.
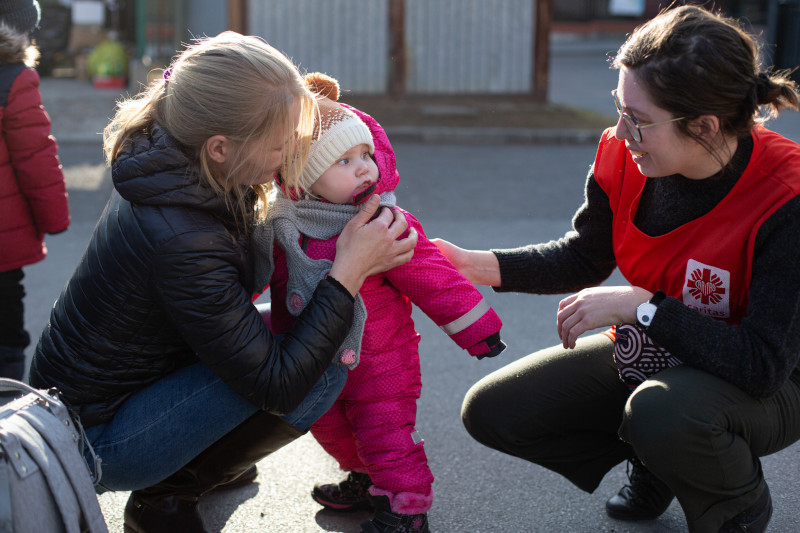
x=761, y=353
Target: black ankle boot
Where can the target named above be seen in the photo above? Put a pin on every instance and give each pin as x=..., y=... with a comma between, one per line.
x=173, y=502
x=350, y=494
x=645, y=498
x=149, y=513
x=387, y=521
x=754, y=519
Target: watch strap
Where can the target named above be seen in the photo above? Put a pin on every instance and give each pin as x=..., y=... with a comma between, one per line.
x=658, y=297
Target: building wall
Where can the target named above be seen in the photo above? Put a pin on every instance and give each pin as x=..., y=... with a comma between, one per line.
x=205, y=17
x=452, y=46
x=346, y=39
x=469, y=46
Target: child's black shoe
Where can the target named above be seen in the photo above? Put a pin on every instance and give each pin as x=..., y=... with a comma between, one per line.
x=386, y=521
x=350, y=494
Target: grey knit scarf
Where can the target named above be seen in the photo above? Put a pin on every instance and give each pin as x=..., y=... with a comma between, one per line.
x=285, y=222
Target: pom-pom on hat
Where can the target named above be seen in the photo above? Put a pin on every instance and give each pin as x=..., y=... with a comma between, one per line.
x=20, y=15
x=336, y=130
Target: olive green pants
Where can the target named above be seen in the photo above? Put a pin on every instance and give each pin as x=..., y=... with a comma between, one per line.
x=568, y=411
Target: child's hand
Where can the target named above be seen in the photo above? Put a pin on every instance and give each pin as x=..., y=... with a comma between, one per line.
x=489, y=347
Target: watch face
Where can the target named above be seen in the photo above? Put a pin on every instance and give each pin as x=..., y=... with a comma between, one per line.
x=645, y=313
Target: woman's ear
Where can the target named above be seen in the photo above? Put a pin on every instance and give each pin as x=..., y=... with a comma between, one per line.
x=705, y=127
x=218, y=148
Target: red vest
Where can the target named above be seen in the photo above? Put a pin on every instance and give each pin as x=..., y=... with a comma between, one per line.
x=707, y=262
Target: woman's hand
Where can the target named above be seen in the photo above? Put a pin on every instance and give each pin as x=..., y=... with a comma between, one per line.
x=480, y=267
x=597, y=307
x=367, y=247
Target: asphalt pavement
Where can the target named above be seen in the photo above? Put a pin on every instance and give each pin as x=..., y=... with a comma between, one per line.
x=478, y=195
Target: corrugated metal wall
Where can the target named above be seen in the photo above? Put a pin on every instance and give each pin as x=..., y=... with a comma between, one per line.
x=469, y=46
x=452, y=46
x=347, y=39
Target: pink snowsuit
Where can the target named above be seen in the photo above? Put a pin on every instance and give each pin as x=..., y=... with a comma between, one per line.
x=370, y=427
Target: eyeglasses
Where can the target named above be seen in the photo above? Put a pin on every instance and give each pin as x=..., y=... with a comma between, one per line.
x=634, y=128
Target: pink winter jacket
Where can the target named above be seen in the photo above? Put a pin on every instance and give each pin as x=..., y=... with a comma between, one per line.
x=429, y=281
x=370, y=427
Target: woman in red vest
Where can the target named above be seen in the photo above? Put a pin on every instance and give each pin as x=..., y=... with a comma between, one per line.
x=697, y=205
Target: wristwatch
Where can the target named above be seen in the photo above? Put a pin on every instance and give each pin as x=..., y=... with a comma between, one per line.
x=646, y=311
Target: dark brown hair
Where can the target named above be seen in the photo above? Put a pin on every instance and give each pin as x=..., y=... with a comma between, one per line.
x=693, y=62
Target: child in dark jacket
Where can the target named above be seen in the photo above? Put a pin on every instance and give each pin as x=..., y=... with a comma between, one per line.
x=370, y=428
x=33, y=194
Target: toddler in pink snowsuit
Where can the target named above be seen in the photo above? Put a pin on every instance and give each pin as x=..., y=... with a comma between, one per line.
x=370, y=428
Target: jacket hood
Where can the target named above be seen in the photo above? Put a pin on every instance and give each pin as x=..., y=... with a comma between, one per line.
x=14, y=46
x=153, y=170
x=384, y=154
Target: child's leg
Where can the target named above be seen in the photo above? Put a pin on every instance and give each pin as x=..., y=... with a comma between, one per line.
x=389, y=446
x=13, y=337
x=383, y=410
x=335, y=434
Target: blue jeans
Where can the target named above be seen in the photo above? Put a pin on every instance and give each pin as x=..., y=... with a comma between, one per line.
x=166, y=425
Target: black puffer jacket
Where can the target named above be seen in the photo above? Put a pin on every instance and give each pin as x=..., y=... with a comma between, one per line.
x=165, y=282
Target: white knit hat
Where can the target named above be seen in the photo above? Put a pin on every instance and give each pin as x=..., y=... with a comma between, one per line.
x=336, y=130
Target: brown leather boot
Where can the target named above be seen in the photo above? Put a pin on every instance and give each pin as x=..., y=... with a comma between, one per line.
x=171, y=505
x=247, y=477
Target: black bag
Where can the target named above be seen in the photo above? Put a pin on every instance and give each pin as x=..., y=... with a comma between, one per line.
x=45, y=484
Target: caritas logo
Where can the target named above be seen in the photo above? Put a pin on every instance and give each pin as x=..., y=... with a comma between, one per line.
x=707, y=289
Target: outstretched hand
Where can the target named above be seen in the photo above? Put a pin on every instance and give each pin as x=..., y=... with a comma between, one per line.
x=597, y=307
x=480, y=267
x=366, y=247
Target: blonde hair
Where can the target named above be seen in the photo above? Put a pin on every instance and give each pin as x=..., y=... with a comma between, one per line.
x=231, y=85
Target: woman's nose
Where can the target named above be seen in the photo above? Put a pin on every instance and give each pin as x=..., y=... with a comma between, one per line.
x=621, y=130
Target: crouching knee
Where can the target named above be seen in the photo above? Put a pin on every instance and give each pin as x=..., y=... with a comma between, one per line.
x=655, y=421
x=480, y=415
